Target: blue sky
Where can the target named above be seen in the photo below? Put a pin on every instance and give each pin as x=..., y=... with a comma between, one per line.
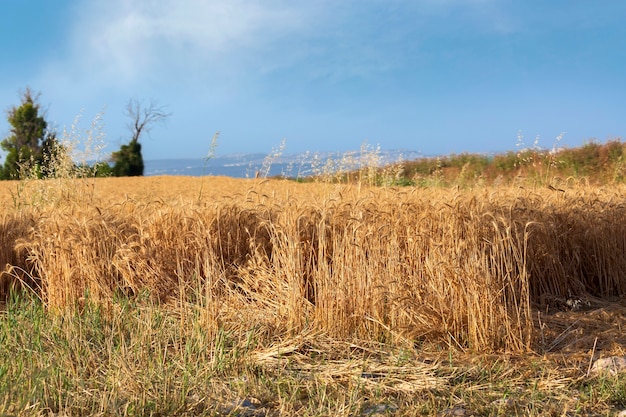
x=436, y=76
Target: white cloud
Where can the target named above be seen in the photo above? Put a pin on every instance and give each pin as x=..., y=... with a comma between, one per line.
x=126, y=38
x=222, y=48
x=120, y=43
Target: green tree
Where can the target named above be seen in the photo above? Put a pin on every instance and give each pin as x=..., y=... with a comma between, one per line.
x=30, y=144
x=128, y=161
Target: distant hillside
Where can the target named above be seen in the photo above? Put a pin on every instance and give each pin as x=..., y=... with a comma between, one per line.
x=598, y=163
x=292, y=166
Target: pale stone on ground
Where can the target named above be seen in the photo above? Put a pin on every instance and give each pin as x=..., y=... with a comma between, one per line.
x=612, y=365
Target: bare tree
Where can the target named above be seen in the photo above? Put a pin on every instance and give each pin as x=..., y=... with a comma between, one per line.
x=144, y=117
x=129, y=160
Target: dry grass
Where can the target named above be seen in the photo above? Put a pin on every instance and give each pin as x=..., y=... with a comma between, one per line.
x=400, y=265
x=280, y=267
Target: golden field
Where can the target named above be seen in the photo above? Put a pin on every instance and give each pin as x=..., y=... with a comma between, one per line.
x=224, y=297
x=479, y=269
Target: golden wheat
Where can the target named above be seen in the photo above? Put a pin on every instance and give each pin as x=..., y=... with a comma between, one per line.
x=404, y=266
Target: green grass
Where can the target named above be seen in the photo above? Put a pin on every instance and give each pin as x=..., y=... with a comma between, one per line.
x=598, y=163
x=138, y=358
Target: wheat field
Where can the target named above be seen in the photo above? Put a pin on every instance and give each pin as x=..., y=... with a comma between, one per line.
x=406, y=266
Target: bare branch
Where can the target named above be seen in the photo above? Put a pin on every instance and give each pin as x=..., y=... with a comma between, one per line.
x=144, y=117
